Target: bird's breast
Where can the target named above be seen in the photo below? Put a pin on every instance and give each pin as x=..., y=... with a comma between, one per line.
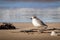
x=36, y=22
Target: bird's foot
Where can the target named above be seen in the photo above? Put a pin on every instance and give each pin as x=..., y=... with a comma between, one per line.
x=40, y=31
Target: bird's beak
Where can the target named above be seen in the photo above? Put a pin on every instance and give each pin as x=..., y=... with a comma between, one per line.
x=31, y=18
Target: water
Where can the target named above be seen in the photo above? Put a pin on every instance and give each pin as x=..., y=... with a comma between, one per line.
x=23, y=11
x=25, y=16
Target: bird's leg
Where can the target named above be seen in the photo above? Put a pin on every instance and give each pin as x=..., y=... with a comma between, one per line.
x=40, y=30
x=45, y=27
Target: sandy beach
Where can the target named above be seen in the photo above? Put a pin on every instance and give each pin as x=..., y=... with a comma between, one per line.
x=17, y=35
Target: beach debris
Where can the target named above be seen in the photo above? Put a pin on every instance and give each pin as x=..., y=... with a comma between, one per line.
x=51, y=29
x=7, y=26
x=53, y=33
x=27, y=31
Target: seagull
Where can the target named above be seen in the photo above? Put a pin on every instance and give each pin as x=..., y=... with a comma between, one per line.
x=38, y=23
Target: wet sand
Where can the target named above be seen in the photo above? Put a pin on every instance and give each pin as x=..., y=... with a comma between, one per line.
x=17, y=35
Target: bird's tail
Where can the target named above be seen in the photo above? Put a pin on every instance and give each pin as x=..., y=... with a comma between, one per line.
x=46, y=27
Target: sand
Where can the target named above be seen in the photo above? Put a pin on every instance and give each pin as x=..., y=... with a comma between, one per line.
x=17, y=35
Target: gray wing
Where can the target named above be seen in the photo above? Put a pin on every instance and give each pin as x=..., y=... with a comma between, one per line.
x=41, y=22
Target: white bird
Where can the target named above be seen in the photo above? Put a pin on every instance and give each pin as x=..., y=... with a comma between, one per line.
x=38, y=23
x=53, y=33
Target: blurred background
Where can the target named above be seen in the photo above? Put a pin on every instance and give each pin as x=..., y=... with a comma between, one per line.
x=23, y=10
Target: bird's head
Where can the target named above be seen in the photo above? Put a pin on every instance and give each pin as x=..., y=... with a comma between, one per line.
x=33, y=17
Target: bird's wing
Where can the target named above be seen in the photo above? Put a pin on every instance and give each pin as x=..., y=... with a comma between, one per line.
x=41, y=22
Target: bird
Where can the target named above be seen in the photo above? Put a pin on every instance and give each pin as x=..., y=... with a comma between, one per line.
x=38, y=23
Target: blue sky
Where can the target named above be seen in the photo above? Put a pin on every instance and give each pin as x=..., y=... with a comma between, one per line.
x=6, y=4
